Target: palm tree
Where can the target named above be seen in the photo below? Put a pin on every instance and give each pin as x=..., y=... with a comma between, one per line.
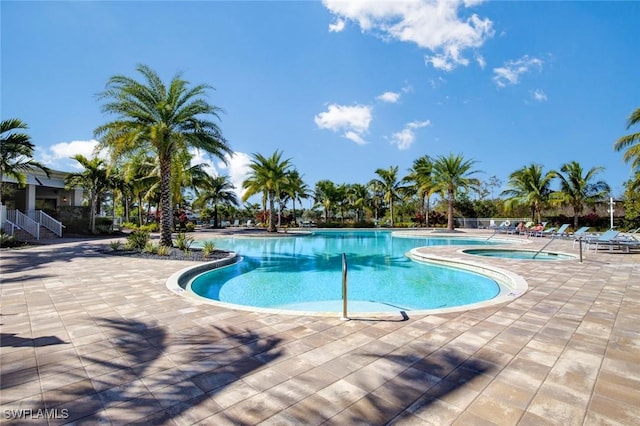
x=358, y=198
x=420, y=174
x=326, y=195
x=390, y=186
x=631, y=143
x=529, y=187
x=16, y=152
x=93, y=179
x=577, y=189
x=217, y=190
x=269, y=175
x=296, y=189
x=163, y=120
x=451, y=174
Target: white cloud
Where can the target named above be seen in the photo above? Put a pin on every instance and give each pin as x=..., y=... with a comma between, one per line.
x=419, y=124
x=482, y=63
x=355, y=137
x=237, y=169
x=434, y=25
x=58, y=156
x=407, y=136
x=337, y=26
x=390, y=97
x=510, y=73
x=353, y=120
x=539, y=95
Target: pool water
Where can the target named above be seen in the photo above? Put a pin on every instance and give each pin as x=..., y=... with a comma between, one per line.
x=305, y=273
x=520, y=254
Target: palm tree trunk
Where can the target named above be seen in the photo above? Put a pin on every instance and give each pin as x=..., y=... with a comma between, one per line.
x=272, y=213
x=92, y=212
x=450, y=226
x=165, y=201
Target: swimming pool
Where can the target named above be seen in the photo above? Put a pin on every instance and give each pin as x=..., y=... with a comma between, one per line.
x=520, y=254
x=304, y=274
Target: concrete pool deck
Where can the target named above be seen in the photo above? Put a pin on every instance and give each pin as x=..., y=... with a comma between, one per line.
x=92, y=338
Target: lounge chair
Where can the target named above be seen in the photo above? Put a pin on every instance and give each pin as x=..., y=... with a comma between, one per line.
x=606, y=239
x=542, y=233
x=236, y=223
x=561, y=232
x=580, y=234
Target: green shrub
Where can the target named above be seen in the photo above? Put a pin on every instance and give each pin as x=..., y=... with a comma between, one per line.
x=7, y=240
x=150, y=227
x=190, y=227
x=137, y=240
x=163, y=250
x=150, y=247
x=115, y=245
x=208, y=247
x=183, y=242
x=129, y=225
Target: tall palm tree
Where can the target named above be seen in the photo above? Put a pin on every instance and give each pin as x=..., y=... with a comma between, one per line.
x=217, y=190
x=420, y=174
x=16, y=152
x=391, y=186
x=93, y=179
x=164, y=120
x=296, y=189
x=578, y=189
x=451, y=174
x=269, y=175
x=631, y=143
x=530, y=187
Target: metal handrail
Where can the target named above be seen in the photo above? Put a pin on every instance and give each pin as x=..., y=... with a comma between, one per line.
x=345, y=287
x=9, y=227
x=24, y=222
x=50, y=223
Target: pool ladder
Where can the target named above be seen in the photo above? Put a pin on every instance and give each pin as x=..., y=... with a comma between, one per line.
x=345, y=287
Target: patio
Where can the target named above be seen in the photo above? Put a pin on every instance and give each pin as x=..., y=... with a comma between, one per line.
x=92, y=338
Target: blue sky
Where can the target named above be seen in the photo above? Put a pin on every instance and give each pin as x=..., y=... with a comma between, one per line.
x=343, y=88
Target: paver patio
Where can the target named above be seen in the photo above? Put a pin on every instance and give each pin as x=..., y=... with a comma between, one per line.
x=92, y=338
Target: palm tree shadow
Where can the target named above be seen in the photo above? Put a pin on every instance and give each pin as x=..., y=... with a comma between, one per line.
x=426, y=381
x=16, y=261
x=15, y=341
x=139, y=383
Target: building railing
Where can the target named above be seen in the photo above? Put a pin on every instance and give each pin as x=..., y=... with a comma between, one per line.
x=9, y=227
x=50, y=223
x=24, y=222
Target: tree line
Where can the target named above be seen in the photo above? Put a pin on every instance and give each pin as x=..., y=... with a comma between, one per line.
x=154, y=125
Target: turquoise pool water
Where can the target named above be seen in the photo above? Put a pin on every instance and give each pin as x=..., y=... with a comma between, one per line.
x=520, y=254
x=305, y=273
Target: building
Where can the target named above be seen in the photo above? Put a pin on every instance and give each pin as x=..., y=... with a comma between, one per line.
x=42, y=193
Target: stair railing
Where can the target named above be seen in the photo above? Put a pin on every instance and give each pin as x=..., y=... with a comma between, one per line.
x=24, y=222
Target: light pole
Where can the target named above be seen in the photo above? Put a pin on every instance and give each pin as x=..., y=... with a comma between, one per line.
x=611, y=210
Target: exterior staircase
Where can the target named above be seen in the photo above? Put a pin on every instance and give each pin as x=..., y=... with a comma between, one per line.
x=35, y=226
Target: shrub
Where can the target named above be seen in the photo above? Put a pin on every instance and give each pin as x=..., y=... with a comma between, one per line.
x=150, y=247
x=115, y=245
x=150, y=227
x=183, y=242
x=190, y=227
x=208, y=247
x=7, y=240
x=137, y=240
x=163, y=250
